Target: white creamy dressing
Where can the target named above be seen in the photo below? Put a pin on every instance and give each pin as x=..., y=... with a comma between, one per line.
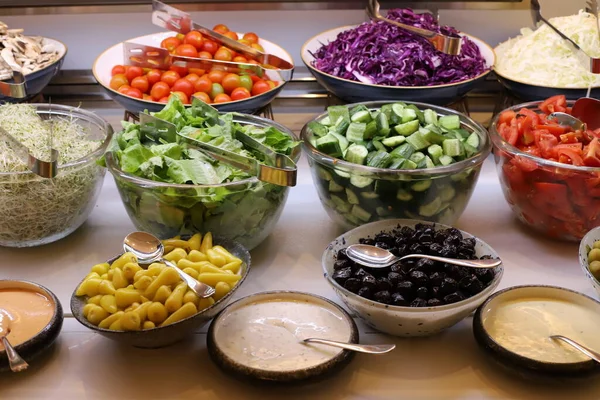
x=267, y=334
x=523, y=326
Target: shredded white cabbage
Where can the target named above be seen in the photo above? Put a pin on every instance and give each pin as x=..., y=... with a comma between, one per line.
x=542, y=58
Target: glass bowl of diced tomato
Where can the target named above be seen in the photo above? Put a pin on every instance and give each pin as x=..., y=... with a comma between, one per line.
x=550, y=174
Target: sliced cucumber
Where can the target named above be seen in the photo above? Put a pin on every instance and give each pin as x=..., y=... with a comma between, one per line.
x=418, y=141
x=356, y=154
x=396, y=163
x=420, y=115
x=329, y=144
x=341, y=173
x=430, y=117
x=379, y=146
x=403, y=151
x=383, y=125
x=447, y=193
x=473, y=140
x=351, y=196
x=404, y=195
x=431, y=136
x=408, y=128
x=356, y=131
x=450, y=122
x=326, y=121
x=370, y=131
x=335, y=187
x=417, y=157
x=317, y=128
x=337, y=112
x=343, y=142
x=452, y=147
x=353, y=219
x=429, y=210
x=446, y=160
x=369, y=195
x=408, y=114
x=360, y=181
x=380, y=160
x=324, y=174
x=408, y=164
x=361, y=213
x=341, y=126
x=340, y=204
x=435, y=152
x=382, y=211
x=393, y=141
x=421, y=186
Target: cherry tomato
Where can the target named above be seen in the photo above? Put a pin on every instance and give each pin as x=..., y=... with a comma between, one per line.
x=203, y=96
x=117, y=69
x=240, y=93
x=192, y=77
x=244, y=42
x=210, y=46
x=221, y=28
x=246, y=82
x=133, y=72
x=216, y=90
x=186, y=50
x=170, y=43
x=222, y=98
x=182, y=71
x=257, y=47
x=117, y=81
x=231, y=35
x=160, y=90
x=272, y=84
x=223, y=54
x=254, y=79
x=169, y=77
x=194, y=38
x=196, y=71
x=216, y=76
x=205, y=54
x=147, y=97
x=230, y=82
x=182, y=96
x=241, y=59
x=184, y=86
x=260, y=87
x=253, y=62
x=251, y=37
x=153, y=76
x=180, y=36
x=204, y=84
x=163, y=99
x=133, y=92
x=141, y=83
x=123, y=89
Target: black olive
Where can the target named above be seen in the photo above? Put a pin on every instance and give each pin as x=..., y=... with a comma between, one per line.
x=454, y=232
x=361, y=273
x=341, y=275
x=418, y=303
x=469, y=242
x=384, y=284
x=435, y=291
x=419, y=278
x=402, y=250
x=435, y=249
x=436, y=278
x=385, y=238
x=471, y=284
x=462, y=272
x=417, y=248
x=394, y=277
x=394, y=251
x=464, y=256
x=448, y=286
x=423, y=292
x=398, y=300
x=341, y=255
x=382, y=245
x=396, y=268
x=365, y=292
x=383, y=296
x=421, y=227
x=425, y=265
x=352, y=284
x=400, y=240
x=405, y=288
x=486, y=257
x=434, y=302
x=341, y=264
x=406, y=231
x=368, y=241
x=425, y=238
x=439, y=237
x=453, y=298
x=485, y=275
x=369, y=281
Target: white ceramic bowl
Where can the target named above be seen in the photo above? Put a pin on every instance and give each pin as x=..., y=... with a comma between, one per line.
x=114, y=56
x=588, y=240
x=397, y=320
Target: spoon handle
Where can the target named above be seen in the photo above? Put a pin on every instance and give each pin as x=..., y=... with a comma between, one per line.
x=15, y=361
x=463, y=263
x=585, y=350
x=361, y=348
x=202, y=290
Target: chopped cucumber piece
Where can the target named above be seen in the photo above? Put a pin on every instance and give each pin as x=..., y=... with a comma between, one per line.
x=461, y=175
x=469, y=150
x=370, y=131
x=418, y=141
x=430, y=117
x=360, y=213
x=425, y=163
x=370, y=155
x=380, y=160
x=450, y=122
x=429, y=210
x=324, y=174
x=421, y=186
x=341, y=173
x=473, y=140
x=407, y=164
x=463, y=133
x=341, y=126
x=354, y=220
x=408, y=128
x=431, y=136
x=404, y=195
x=363, y=116
x=452, y=147
x=340, y=204
x=356, y=154
x=335, y=187
x=446, y=160
x=420, y=115
x=435, y=151
x=393, y=141
x=379, y=146
x=360, y=181
x=417, y=157
x=447, y=193
x=387, y=110
x=341, y=140
x=383, y=125
x=396, y=163
x=382, y=211
x=313, y=141
x=408, y=114
x=356, y=131
x=396, y=114
x=326, y=121
x=351, y=196
x=317, y=128
x=337, y=112
x=329, y=144
x=369, y=195
x=403, y=151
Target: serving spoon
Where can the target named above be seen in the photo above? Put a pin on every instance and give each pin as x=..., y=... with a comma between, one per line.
x=376, y=257
x=16, y=363
x=360, y=348
x=148, y=249
x=583, y=349
x=585, y=114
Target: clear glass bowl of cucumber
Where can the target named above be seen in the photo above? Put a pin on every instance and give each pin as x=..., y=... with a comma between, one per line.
x=381, y=160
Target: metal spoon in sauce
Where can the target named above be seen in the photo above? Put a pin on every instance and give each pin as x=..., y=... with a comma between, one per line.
x=16, y=363
x=148, y=249
x=585, y=350
x=361, y=348
x=375, y=257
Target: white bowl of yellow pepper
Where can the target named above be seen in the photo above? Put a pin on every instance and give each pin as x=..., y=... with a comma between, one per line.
x=149, y=305
x=589, y=257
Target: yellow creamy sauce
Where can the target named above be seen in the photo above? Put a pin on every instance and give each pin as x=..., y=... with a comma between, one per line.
x=267, y=334
x=25, y=313
x=523, y=326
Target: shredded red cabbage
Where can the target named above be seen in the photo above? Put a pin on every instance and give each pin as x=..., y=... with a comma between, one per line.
x=384, y=54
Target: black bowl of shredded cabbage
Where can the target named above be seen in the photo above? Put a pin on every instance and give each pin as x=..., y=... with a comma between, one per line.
x=380, y=61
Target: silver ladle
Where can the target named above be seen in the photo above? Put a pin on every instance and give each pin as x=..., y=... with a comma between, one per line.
x=148, y=249
x=375, y=257
x=360, y=348
x=16, y=363
x=583, y=349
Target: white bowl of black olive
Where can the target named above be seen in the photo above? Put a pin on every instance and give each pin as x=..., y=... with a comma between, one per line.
x=415, y=297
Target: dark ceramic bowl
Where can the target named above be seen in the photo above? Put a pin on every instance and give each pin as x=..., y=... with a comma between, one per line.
x=528, y=92
x=38, y=80
x=114, y=56
x=170, y=334
x=44, y=340
x=520, y=365
x=248, y=372
x=352, y=91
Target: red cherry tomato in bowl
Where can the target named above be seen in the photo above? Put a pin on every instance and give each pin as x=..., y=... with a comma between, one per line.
x=230, y=82
x=221, y=28
x=222, y=98
x=260, y=87
x=160, y=90
x=204, y=84
x=240, y=93
x=133, y=72
x=133, y=92
x=117, y=69
x=141, y=83
x=183, y=85
x=182, y=96
x=210, y=46
x=186, y=50
x=170, y=43
x=203, y=96
x=194, y=38
x=170, y=77
x=117, y=81
x=153, y=76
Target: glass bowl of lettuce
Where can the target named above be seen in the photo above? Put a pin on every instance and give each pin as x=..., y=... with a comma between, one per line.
x=170, y=188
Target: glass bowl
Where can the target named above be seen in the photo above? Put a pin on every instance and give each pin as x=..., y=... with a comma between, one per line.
x=354, y=194
x=36, y=210
x=561, y=201
x=244, y=211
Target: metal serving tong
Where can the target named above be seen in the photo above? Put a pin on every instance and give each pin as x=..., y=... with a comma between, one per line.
x=45, y=169
x=179, y=21
x=446, y=44
x=591, y=63
x=283, y=171
x=145, y=56
x=16, y=89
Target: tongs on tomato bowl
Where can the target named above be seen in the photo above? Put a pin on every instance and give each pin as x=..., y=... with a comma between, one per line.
x=179, y=21
x=446, y=44
x=280, y=169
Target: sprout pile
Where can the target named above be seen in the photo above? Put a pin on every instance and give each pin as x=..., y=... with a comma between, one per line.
x=35, y=210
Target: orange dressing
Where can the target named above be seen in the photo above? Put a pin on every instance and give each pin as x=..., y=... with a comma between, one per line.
x=25, y=313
